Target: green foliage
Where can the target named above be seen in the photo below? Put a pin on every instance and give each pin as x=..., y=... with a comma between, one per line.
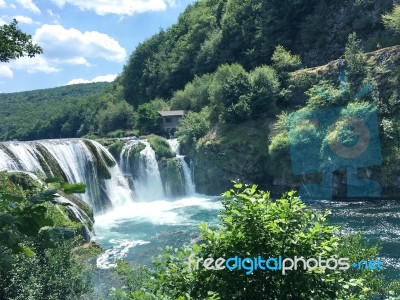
x=15, y=44
x=68, y=111
x=160, y=146
x=324, y=95
x=278, y=150
x=116, y=116
x=355, y=57
x=392, y=20
x=148, y=119
x=237, y=95
x=53, y=274
x=253, y=225
x=36, y=260
x=208, y=34
x=192, y=127
x=264, y=91
x=285, y=61
x=194, y=96
x=227, y=91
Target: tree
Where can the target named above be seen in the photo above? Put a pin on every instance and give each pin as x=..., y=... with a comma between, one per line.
x=192, y=127
x=264, y=91
x=284, y=60
x=15, y=44
x=229, y=94
x=392, y=19
x=148, y=118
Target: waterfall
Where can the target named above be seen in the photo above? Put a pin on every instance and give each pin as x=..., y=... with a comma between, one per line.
x=187, y=173
x=189, y=185
x=79, y=215
x=138, y=175
x=138, y=159
x=75, y=160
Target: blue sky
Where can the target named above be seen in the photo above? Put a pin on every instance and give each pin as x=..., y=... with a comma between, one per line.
x=83, y=40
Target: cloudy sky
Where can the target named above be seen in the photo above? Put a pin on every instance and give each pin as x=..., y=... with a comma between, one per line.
x=83, y=40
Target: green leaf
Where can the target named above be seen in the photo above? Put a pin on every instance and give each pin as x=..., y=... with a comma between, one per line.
x=238, y=186
x=78, y=188
x=28, y=252
x=57, y=179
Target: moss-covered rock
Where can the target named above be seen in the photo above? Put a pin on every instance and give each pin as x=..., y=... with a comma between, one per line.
x=160, y=146
x=232, y=153
x=102, y=161
x=172, y=177
x=88, y=251
x=131, y=159
x=116, y=148
x=49, y=165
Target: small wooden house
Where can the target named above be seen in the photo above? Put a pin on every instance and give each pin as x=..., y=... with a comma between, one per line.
x=170, y=119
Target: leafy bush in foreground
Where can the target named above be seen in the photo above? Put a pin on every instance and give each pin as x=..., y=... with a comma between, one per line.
x=252, y=225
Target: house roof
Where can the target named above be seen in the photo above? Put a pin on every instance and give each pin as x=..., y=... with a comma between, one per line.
x=172, y=113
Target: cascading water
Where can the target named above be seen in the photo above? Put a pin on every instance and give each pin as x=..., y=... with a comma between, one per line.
x=146, y=179
x=187, y=173
x=79, y=215
x=76, y=161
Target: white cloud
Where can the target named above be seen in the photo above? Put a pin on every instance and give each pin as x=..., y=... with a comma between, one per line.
x=118, y=7
x=34, y=65
x=2, y=22
x=67, y=44
x=25, y=20
x=3, y=4
x=29, y=5
x=5, y=71
x=103, y=78
x=72, y=61
x=56, y=17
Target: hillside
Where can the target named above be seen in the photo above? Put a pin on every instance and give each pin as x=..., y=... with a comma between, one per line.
x=211, y=33
x=240, y=68
x=49, y=113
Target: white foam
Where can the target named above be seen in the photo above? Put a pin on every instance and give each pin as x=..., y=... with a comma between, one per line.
x=160, y=212
x=110, y=257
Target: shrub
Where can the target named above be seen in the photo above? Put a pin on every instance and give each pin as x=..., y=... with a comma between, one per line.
x=116, y=116
x=392, y=19
x=264, y=91
x=194, y=96
x=284, y=60
x=160, y=146
x=148, y=119
x=253, y=225
x=228, y=92
x=324, y=95
x=192, y=127
x=53, y=274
